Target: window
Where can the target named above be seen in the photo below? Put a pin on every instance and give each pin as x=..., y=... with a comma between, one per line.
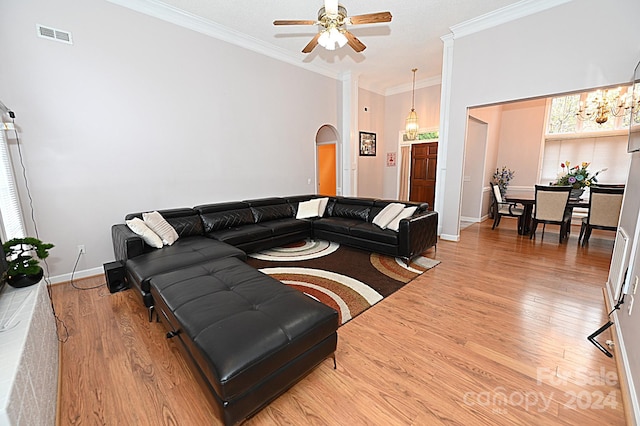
x=563, y=114
x=11, y=216
x=570, y=138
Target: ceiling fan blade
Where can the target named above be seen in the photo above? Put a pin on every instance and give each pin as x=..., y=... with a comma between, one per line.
x=312, y=44
x=371, y=18
x=353, y=41
x=295, y=22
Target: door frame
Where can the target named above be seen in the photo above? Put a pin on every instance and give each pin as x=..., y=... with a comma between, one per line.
x=401, y=143
x=337, y=142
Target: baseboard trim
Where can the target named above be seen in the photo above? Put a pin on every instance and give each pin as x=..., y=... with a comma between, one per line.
x=449, y=237
x=77, y=275
x=470, y=219
x=627, y=389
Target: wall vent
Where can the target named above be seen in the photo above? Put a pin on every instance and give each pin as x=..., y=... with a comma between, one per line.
x=54, y=34
x=619, y=262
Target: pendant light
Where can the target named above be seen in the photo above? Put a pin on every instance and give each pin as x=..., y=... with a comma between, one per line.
x=411, y=128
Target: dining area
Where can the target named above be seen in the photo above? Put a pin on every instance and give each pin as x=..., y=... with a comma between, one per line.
x=596, y=208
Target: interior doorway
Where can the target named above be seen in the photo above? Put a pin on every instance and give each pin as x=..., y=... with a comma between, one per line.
x=327, y=169
x=424, y=161
x=327, y=161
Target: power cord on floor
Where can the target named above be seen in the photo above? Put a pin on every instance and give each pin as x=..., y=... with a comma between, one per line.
x=73, y=273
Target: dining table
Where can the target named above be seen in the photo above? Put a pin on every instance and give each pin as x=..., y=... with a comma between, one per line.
x=528, y=200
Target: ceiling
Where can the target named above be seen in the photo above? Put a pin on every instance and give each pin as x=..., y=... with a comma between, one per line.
x=410, y=40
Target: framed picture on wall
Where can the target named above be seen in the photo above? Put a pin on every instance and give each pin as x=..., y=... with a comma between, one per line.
x=367, y=144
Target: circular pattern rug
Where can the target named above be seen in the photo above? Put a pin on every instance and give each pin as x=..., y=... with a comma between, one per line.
x=347, y=279
x=346, y=295
x=302, y=250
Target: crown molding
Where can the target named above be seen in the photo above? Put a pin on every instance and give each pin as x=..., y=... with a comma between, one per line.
x=503, y=15
x=420, y=84
x=179, y=17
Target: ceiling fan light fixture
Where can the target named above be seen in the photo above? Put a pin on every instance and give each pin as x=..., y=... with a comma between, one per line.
x=411, y=125
x=331, y=38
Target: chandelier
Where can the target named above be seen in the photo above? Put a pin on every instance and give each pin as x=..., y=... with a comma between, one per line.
x=601, y=104
x=411, y=127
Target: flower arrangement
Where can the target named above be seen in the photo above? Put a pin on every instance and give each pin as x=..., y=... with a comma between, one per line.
x=502, y=179
x=577, y=176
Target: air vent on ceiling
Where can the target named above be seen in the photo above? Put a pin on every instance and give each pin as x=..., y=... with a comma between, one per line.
x=54, y=34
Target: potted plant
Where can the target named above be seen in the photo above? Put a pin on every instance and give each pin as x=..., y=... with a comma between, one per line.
x=24, y=270
x=501, y=178
x=577, y=177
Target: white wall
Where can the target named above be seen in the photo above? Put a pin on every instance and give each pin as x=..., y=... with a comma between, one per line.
x=492, y=115
x=141, y=114
x=531, y=57
x=397, y=107
x=540, y=55
x=371, y=168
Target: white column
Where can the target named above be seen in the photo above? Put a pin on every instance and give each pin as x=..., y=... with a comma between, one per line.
x=349, y=133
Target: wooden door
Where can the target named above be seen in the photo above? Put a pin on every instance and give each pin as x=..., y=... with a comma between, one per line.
x=327, y=169
x=424, y=157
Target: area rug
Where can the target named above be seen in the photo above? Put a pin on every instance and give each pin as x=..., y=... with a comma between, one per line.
x=347, y=279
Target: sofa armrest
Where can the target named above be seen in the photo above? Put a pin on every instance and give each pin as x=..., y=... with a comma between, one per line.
x=126, y=243
x=417, y=234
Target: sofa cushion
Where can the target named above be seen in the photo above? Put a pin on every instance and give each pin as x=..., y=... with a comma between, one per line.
x=160, y=226
x=394, y=225
x=387, y=214
x=271, y=212
x=336, y=224
x=184, y=252
x=371, y=232
x=139, y=227
x=185, y=221
x=308, y=209
x=287, y=226
x=225, y=215
x=242, y=234
x=240, y=325
x=352, y=208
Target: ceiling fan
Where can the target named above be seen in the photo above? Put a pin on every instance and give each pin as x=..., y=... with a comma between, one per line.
x=333, y=19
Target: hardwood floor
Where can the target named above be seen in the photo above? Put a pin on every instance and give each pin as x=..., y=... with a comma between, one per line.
x=494, y=335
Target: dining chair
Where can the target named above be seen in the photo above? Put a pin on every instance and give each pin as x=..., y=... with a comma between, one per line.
x=605, y=203
x=551, y=208
x=504, y=208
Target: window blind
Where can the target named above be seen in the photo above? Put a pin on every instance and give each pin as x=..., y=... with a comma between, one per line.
x=11, y=215
x=602, y=152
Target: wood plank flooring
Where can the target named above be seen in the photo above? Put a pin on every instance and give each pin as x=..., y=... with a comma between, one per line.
x=494, y=335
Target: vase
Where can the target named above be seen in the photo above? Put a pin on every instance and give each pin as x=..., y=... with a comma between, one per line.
x=25, y=280
x=576, y=193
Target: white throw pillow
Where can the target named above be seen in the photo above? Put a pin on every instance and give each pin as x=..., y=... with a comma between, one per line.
x=387, y=214
x=323, y=205
x=307, y=209
x=160, y=226
x=405, y=213
x=139, y=227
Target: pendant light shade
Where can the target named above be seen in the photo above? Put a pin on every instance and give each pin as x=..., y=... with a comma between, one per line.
x=411, y=126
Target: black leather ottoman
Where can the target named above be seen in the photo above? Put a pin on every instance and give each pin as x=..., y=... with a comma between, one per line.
x=247, y=335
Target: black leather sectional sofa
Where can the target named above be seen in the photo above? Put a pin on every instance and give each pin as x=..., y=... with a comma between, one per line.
x=247, y=336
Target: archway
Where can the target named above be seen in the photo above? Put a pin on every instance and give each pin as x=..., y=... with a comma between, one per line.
x=327, y=160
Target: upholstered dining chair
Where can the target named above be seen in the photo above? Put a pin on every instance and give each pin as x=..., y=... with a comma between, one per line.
x=503, y=208
x=604, y=211
x=551, y=208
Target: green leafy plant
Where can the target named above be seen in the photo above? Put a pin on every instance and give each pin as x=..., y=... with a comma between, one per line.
x=20, y=254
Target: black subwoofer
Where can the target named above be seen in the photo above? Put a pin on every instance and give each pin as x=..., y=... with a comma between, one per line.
x=115, y=275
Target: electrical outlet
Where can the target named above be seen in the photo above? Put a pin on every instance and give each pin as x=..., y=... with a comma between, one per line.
x=630, y=309
x=81, y=249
